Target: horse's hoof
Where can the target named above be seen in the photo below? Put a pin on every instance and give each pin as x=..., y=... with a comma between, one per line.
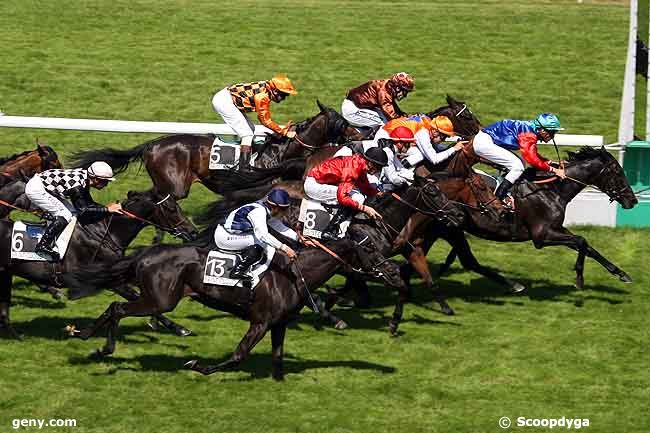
x=182, y=332
x=625, y=277
x=579, y=302
x=71, y=330
x=278, y=377
x=341, y=325
x=518, y=287
x=447, y=310
x=10, y=332
x=190, y=365
x=392, y=328
x=97, y=354
x=153, y=325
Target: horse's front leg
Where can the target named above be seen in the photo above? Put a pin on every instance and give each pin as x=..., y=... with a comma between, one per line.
x=254, y=335
x=6, y=281
x=277, y=342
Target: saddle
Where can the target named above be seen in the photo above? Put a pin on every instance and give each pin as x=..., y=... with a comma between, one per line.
x=532, y=175
x=315, y=218
x=25, y=236
x=220, y=262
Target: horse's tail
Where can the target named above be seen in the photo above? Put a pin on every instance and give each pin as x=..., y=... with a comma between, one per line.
x=119, y=160
x=91, y=279
x=237, y=180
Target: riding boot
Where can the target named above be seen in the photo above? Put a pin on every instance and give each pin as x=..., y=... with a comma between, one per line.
x=249, y=256
x=503, y=189
x=45, y=246
x=245, y=153
x=331, y=232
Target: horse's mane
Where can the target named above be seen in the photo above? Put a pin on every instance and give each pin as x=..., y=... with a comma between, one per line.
x=586, y=153
x=14, y=156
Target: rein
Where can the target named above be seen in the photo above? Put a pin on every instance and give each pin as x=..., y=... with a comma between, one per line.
x=146, y=221
x=4, y=203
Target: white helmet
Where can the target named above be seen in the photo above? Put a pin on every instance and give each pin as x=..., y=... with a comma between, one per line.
x=101, y=170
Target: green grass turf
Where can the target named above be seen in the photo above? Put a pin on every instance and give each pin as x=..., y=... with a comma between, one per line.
x=537, y=355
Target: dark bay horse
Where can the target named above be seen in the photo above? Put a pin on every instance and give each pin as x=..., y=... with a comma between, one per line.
x=28, y=163
x=166, y=273
x=102, y=241
x=422, y=197
x=20, y=168
x=539, y=208
x=174, y=162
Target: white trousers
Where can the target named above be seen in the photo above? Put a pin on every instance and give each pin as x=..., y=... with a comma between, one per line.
x=324, y=193
x=361, y=116
x=234, y=242
x=243, y=127
x=38, y=195
x=485, y=148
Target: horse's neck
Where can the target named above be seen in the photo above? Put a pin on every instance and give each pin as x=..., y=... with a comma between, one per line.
x=271, y=155
x=583, y=172
x=397, y=214
x=318, y=266
x=121, y=229
x=29, y=165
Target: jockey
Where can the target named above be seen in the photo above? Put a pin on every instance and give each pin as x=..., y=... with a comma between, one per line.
x=49, y=190
x=247, y=229
x=374, y=103
x=233, y=102
x=427, y=132
x=399, y=144
x=495, y=141
x=344, y=180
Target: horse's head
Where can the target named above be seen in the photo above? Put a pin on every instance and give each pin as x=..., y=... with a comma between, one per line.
x=49, y=158
x=321, y=130
x=430, y=199
x=162, y=210
x=598, y=167
x=466, y=124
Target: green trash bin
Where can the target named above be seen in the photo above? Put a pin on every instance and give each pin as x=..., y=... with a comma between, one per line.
x=637, y=169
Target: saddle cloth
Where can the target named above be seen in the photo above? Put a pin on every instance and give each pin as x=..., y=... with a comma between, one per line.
x=26, y=235
x=220, y=262
x=315, y=217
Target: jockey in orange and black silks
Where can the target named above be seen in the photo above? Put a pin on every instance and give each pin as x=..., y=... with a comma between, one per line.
x=495, y=141
x=234, y=101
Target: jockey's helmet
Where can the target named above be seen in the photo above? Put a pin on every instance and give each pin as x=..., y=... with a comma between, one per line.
x=402, y=133
x=402, y=83
x=444, y=125
x=377, y=156
x=278, y=197
x=548, y=121
x=101, y=170
x=283, y=84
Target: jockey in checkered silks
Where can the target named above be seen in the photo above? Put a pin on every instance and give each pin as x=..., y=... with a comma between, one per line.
x=51, y=190
x=233, y=102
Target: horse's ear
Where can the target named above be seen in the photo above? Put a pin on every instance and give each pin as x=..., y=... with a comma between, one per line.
x=572, y=155
x=418, y=180
x=131, y=194
x=451, y=101
x=321, y=107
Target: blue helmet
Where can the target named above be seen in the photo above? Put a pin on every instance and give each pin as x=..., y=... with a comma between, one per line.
x=548, y=121
x=278, y=197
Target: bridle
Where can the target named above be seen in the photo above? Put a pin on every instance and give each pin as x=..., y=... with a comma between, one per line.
x=609, y=187
x=172, y=230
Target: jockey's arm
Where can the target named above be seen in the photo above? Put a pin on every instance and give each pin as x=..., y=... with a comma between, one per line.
x=277, y=225
x=257, y=218
x=423, y=142
x=391, y=172
x=387, y=105
x=84, y=204
x=528, y=147
x=262, y=107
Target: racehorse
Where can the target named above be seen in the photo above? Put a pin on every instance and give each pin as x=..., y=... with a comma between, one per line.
x=422, y=197
x=466, y=125
x=174, y=162
x=101, y=241
x=165, y=273
x=30, y=162
x=539, y=207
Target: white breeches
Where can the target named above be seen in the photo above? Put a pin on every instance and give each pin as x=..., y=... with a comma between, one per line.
x=485, y=148
x=38, y=195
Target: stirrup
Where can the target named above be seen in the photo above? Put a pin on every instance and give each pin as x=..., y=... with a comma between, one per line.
x=239, y=275
x=49, y=254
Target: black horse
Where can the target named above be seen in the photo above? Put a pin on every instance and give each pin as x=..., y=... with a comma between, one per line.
x=174, y=162
x=539, y=212
x=165, y=273
x=423, y=197
x=92, y=242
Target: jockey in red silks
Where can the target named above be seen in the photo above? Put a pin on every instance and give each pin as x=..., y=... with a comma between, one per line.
x=495, y=142
x=344, y=180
